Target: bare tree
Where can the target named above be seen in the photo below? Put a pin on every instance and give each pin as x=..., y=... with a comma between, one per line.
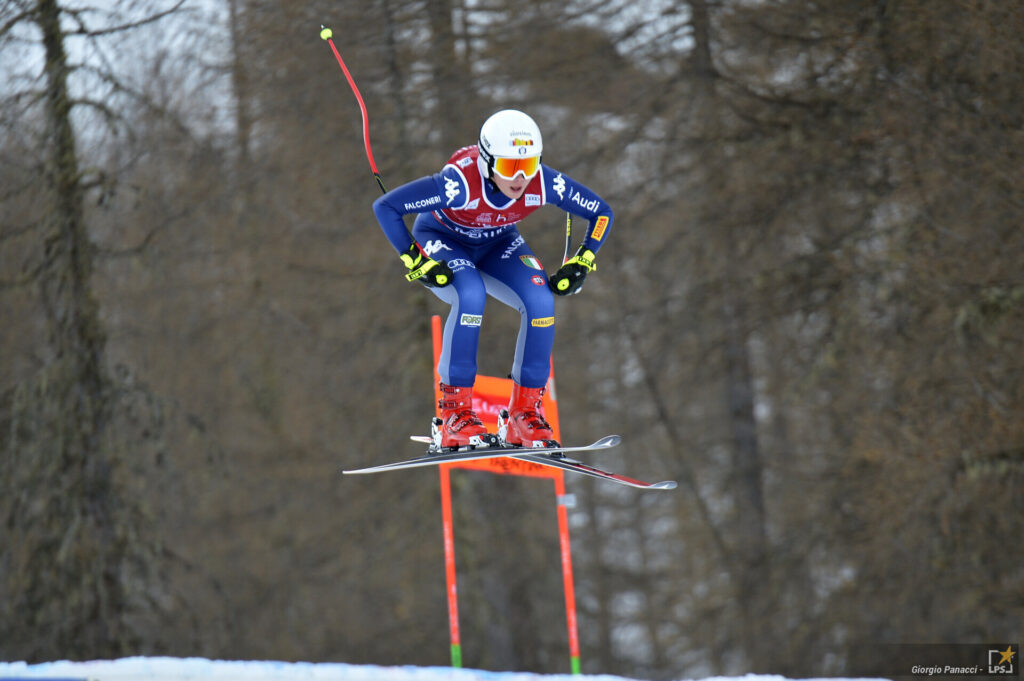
x=78, y=561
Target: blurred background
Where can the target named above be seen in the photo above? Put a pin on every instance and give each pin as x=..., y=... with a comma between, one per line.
x=810, y=312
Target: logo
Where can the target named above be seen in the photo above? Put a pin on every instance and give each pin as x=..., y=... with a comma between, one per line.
x=602, y=224
x=471, y=319
x=543, y=321
x=531, y=261
x=482, y=405
x=513, y=247
x=934, y=660
x=451, y=188
x=539, y=281
x=475, y=233
x=422, y=203
x=590, y=205
x=559, y=184
x=463, y=162
x=432, y=247
x=532, y=199
x=1001, y=661
x=518, y=142
x=472, y=204
x=460, y=264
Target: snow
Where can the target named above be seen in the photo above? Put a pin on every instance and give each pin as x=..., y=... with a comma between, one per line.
x=174, y=669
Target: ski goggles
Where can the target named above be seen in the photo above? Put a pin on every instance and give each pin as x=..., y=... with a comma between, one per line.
x=508, y=168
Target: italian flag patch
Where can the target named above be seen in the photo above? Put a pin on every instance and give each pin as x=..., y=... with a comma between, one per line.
x=531, y=261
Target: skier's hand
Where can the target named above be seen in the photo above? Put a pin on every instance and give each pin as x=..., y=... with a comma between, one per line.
x=424, y=269
x=569, y=277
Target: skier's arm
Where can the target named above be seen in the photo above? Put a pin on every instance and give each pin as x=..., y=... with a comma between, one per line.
x=577, y=199
x=418, y=196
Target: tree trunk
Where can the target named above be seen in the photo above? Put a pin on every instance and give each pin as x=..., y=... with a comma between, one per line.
x=74, y=314
x=748, y=493
x=243, y=107
x=65, y=536
x=445, y=69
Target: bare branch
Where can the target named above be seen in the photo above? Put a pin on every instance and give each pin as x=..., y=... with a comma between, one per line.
x=83, y=31
x=119, y=87
x=108, y=113
x=14, y=21
x=146, y=239
x=15, y=232
x=15, y=190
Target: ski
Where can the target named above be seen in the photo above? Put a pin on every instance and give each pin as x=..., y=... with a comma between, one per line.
x=574, y=466
x=605, y=442
x=545, y=456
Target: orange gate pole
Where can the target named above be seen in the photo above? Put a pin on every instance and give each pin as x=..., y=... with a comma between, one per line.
x=451, y=582
x=449, y=568
x=570, y=592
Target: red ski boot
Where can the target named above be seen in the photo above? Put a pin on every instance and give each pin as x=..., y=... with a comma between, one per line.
x=526, y=425
x=460, y=426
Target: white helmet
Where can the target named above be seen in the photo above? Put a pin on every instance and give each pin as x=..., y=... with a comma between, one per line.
x=510, y=134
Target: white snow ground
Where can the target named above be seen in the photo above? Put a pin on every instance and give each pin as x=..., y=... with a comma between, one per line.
x=198, y=669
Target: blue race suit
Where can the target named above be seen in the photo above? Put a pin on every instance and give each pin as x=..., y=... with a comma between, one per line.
x=464, y=219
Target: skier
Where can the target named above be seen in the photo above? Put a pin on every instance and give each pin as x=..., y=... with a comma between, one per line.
x=465, y=245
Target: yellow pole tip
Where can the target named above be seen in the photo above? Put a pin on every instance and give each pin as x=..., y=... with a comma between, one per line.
x=326, y=33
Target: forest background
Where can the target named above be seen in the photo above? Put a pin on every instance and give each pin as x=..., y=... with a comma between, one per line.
x=810, y=312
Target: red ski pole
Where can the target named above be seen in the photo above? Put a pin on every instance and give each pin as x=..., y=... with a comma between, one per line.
x=327, y=34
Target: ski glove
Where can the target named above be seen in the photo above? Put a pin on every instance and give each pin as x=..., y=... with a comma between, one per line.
x=569, y=277
x=424, y=269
